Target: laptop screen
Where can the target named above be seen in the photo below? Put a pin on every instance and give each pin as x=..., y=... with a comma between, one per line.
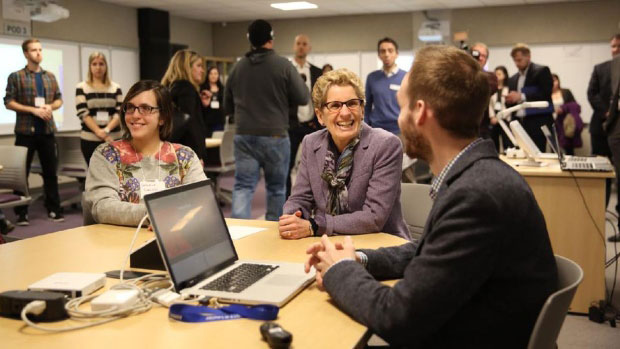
x=191, y=232
x=552, y=139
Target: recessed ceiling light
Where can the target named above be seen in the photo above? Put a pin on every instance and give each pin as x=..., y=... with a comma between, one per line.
x=296, y=5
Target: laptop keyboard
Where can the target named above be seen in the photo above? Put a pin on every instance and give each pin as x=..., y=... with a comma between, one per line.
x=578, y=159
x=582, y=165
x=240, y=278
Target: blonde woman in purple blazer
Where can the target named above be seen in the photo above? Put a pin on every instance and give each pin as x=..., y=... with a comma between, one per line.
x=349, y=177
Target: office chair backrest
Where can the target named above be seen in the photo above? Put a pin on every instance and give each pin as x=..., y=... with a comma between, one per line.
x=227, y=148
x=416, y=204
x=71, y=161
x=551, y=317
x=13, y=173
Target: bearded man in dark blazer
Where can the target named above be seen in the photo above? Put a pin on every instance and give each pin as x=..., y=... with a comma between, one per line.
x=484, y=267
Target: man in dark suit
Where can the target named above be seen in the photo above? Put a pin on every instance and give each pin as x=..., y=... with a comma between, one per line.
x=483, y=267
x=302, y=120
x=612, y=126
x=533, y=82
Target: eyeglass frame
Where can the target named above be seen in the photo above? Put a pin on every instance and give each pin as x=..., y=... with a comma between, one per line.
x=343, y=104
x=125, y=110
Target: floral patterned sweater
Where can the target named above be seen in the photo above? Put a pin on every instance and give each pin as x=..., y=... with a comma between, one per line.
x=116, y=171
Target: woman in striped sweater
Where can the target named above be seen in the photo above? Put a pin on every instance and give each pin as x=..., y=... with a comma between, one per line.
x=98, y=102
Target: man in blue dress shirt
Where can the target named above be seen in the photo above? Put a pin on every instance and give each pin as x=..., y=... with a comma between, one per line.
x=381, y=86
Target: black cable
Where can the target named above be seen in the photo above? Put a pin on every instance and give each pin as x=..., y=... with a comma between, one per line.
x=583, y=199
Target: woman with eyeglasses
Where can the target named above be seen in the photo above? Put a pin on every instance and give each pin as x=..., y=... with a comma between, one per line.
x=349, y=177
x=98, y=101
x=142, y=162
x=185, y=74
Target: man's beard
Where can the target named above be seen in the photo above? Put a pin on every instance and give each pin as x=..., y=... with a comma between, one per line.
x=416, y=145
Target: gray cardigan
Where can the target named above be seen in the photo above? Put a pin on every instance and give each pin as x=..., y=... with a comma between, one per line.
x=374, y=185
x=478, y=276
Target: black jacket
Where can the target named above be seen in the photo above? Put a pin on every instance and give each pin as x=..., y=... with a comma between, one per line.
x=537, y=87
x=192, y=133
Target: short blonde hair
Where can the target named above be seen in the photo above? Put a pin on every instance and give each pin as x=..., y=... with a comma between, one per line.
x=340, y=77
x=106, y=76
x=180, y=68
x=520, y=47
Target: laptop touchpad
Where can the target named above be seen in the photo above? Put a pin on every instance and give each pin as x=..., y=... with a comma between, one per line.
x=285, y=280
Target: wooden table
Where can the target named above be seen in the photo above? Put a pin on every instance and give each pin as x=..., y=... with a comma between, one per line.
x=567, y=199
x=312, y=319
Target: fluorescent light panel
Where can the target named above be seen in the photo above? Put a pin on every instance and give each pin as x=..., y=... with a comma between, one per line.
x=296, y=5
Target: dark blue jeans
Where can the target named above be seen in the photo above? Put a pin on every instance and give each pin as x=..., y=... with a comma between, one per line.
x=251, y=154
x=45, y=146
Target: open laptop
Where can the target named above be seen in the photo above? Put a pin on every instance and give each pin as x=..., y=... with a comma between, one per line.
x=201, y=259
x=575, y=163
x=526, y=143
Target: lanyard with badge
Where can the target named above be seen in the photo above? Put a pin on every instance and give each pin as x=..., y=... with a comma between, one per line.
x=149, y=186
x=197, y=313
x=215, y=104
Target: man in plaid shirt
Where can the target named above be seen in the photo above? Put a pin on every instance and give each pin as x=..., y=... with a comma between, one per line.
x=33, y=94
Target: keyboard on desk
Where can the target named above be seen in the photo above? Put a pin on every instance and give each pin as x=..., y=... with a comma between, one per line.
x=240, y=278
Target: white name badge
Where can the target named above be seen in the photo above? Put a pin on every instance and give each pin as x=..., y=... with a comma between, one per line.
x=102, y=117
x=151, y=186
x=394, y=87
x=39, y=101
x=215, y=105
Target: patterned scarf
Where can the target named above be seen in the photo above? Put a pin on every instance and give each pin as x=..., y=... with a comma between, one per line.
x=336, y=175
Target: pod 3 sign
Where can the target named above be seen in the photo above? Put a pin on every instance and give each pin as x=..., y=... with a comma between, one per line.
x=17, y=28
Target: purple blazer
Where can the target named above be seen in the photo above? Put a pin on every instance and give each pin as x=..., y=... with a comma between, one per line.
x=374, y=185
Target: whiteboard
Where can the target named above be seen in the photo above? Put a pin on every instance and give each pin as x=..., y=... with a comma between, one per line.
x=572, y=62
x=69, y=63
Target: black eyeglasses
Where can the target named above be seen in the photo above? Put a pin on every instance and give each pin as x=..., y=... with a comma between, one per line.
x=353, y=104
x=143, y=109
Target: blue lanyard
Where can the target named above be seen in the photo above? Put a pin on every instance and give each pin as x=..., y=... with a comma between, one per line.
x=199, y=313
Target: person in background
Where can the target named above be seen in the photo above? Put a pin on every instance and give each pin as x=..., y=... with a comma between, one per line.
x=327, y=68
x=349, y=177
x=381, y=87
x=33, y=94
x=259, y=92
x=568, y=123
x=612, y=127
x=183, y=77
x=480, y=52
x=98, y=102
x=532, y=82
x=213, y=113
x=479, y=277
x=142, y=162
x=599, y=96
x=302, y=119
x=497, y=103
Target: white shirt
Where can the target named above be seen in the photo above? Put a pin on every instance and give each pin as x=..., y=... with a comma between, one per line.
x=520, y=84
x=392, y=71
x=305, y=113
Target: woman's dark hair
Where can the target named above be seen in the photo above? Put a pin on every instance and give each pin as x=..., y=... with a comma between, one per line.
x=555, y=76
x=164, y=103
x=503, y=69
x=219, y=84
x=327, y=66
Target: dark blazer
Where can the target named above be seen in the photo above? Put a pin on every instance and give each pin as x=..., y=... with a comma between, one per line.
x=537, y=87
x=374, y=185
x=315, y=73
x=599, y=94
x=479, y=275
x=610, y=123
x=187, y=100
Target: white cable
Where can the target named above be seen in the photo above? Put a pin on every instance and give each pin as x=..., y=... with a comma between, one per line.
x=135, y=235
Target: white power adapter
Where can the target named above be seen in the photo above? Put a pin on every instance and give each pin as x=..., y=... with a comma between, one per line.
x=114, y=299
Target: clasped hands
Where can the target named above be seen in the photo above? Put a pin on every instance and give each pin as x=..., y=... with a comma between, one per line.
x=325, y=253
x=44, y=112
